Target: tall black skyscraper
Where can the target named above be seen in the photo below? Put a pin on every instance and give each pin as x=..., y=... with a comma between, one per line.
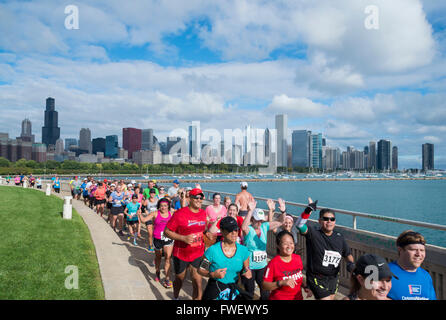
x=428, y=156
x=50, y=130
x=384, y=155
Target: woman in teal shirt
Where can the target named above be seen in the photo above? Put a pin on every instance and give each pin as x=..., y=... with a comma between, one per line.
x=223, y=262
x=255, y=231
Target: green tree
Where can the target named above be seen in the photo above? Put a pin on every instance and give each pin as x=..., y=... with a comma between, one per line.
x=4, y=162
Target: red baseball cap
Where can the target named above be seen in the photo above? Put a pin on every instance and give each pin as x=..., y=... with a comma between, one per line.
x=196, y=192
x=105, y=180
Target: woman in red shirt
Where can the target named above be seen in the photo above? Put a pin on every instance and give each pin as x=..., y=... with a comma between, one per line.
x=283, y=275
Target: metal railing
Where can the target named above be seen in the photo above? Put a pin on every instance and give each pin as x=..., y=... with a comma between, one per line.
x=354, y=214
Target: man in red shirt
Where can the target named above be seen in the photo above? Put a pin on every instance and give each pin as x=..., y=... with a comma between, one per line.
x=186, y=227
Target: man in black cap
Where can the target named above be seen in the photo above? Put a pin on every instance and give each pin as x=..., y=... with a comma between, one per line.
x=371, y=279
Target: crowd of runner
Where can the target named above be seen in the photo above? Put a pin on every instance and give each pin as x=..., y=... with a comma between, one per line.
x=227, y=243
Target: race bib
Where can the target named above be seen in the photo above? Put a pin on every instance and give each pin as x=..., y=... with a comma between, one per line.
x=198, y=239
x=331, y=257
x=163, y=237
x=259, y=256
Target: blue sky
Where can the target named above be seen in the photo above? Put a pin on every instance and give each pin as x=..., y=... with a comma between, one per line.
x=163, y=64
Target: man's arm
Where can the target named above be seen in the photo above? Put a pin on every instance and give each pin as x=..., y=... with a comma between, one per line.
x=301, y=222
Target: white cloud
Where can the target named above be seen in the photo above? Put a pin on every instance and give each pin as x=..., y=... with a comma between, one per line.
x=296, y=107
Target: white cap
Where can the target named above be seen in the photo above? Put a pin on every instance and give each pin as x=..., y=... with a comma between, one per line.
x=259, y=215
x=133, y=181
x=129, y=185
x=153, y=209
x=113, y=185
x=244, y=184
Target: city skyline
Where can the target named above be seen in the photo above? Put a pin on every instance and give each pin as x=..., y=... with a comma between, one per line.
x=151, y=67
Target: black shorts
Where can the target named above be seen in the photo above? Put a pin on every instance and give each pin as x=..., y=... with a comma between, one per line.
x=216, y=290
x=159, y=244
x=132, y=222
x=109, y=205
x=86, y=196
x=149, y=223
x=117, y=210
x=97, y=202
x=179, y=265
x=322, y=286
x=243, y=213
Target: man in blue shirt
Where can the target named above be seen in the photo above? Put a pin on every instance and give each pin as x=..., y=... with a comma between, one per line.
x=413, y=283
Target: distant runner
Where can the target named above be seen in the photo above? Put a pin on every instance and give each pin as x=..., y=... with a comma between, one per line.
x=242, y=199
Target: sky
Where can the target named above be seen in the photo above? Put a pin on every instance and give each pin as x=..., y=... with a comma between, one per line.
x=355, y=71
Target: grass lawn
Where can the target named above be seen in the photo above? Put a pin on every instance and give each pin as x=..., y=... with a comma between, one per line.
x=37, y=246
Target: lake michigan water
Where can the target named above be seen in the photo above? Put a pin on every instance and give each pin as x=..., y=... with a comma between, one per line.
x=420, y=200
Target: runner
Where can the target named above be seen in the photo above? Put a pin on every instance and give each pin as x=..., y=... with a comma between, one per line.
x=232, y=212
x=242, y=199
x=371, y=279
x=32, y=180
x=110, y=190
x=160, y=218
x=39, y=183
x=117, y=210
x=176, y=201
x=151, y=186
x=100, y=194
x=283, y=275
x=413, y=283
x=214, y=212
x=150, y=203
x=85, y=187
x=132, y=211
x=17, y=180
x=91, y=199
x=227, y=201
x=255, y=239
x=56, y=185
x=174, y=189
x=186, y=228
x=162, y=192
x=325, y=249
x=223, y=262
x=76, y=187
x=287, y=224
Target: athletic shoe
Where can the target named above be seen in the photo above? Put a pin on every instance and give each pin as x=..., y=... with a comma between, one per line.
x=121, y=233
x=151, y=249
x=134, y=242
x=168, y=283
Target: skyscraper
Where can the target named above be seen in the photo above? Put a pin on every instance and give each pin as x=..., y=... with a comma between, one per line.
x=70, y=142
x=372, y=156
x=316, y=150
x=300, y=150
x=384, y=155
x=98, y=145
x=267, y=143
x=50, y=130
x=111, y=146
x=131, y=140
x=26, y=134
x=395, y=158
x=147, y=139
x=85, y=140
x=194, y=141
x=428, y=156
x=282, y=131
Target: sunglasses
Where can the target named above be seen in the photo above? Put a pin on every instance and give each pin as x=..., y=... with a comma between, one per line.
x=197, y=197
x=329, y=218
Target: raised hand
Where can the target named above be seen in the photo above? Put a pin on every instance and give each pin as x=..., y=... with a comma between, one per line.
x=312, y=206
x=271, y=204
x=252, y=205
x=282, y=206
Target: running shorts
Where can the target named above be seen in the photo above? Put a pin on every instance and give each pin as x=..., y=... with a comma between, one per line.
x=179, y=265
x=132, y=222
x=216, y=290
x=322, y=286
x=117, y=210
x=97, y=202
x=243, y=213
x=150, y=222
x=159, y=244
